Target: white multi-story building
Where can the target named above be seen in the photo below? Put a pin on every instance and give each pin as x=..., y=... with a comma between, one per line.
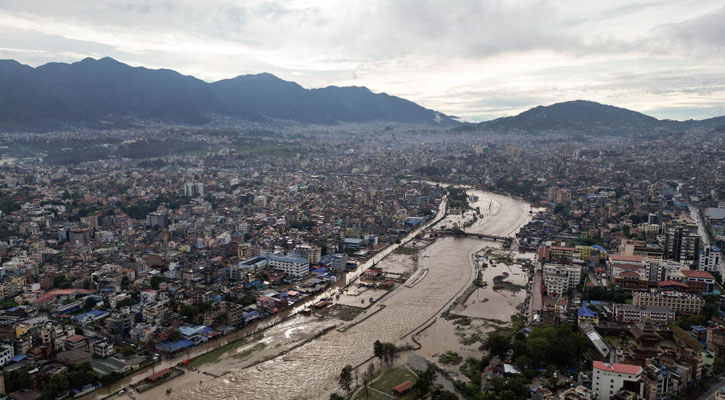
x=7, y=352
x=630, y=313
x=558, y=278
x=608, y=379
x=192, y=189
x=248, y=269
x=709, y=259
x=312, y=253
x=682, y=303
x=339, y=262
x=102, y=349
x=292, y=264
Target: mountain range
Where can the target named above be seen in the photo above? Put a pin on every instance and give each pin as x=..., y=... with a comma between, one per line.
x=104, y=92
x=93, y=92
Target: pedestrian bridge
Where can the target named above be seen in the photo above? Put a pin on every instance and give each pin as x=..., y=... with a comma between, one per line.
x=471, y=234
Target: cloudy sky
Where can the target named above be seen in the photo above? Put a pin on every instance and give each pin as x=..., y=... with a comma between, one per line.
x=474, y=59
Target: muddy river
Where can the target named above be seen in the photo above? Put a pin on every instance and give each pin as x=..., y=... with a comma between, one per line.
x=310, y=371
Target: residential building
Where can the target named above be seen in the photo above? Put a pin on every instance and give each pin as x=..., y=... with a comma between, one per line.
x=156, y=219
x=709, y=259
x=699, y=281
x=311, y=252
x=559, y=278
x=609, y=378
x=681, y=303
x=630, y=313
x=102, y=349
x=293, y=265
x=7, y=352
x=586, y=315
x=339, y=262
x=682, y=244
x=249, y=269
x=193, y=189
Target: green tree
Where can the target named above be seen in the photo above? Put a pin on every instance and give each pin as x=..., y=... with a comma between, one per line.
x=125, y=282
x=378, y=350
x=89, y=303
x=368, y=377
x=425, y=383
x=442, y=394
x=189, y=311
x=507, y=395
x=345, y=379
x=127, y=351
x=498, y=345
x=709, y=310
x=390, y=353
x=175, y=335
x=155, y=281
x=17, y=380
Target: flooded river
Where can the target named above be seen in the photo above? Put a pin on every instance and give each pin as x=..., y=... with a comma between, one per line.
x=310, y=371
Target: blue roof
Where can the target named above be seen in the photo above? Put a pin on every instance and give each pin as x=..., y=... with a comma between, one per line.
x=172, y=347
x=598, y=247
x=189, y=331
x=19, y=357
x=585, y=312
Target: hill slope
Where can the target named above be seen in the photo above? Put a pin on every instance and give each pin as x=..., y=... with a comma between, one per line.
x=582, y=116
x=92, y=91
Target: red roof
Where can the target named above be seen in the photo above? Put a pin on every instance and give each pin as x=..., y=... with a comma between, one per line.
x=59, y=292
x=697, y=274
x=671, y=283
x=159, y=375
x=618, y=368
x=623, y=258
x=75, y=339
x=403, y=387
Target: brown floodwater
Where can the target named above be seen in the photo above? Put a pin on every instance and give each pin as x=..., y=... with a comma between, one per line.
x=310, y=371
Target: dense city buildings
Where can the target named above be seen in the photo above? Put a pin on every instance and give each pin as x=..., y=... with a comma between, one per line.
x=174, y=252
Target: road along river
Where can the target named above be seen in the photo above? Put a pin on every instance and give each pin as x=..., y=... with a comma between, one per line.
x=310, y=371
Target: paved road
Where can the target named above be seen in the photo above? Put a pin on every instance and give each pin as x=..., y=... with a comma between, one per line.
x=593, y=278
x=536, y=303
x=712, y=393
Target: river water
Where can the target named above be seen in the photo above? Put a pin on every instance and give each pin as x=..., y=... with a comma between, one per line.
x=310, y=371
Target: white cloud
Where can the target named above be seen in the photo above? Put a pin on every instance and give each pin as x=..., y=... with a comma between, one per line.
x=475, y=59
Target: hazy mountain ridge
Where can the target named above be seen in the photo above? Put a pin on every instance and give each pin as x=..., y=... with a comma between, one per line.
x=581, y=116
x=92, y=91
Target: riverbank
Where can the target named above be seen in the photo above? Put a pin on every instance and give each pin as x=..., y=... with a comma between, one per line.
x=445, y=271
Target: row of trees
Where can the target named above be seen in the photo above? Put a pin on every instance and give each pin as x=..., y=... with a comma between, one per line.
x=385, y=352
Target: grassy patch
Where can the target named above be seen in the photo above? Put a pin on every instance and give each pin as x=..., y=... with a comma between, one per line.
x=450, y=357
x=213, y=355
x=467, y=341
x=406, y=251
x=392, y=378
x=372, y=395
x=343, y=312
x=246, y=353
